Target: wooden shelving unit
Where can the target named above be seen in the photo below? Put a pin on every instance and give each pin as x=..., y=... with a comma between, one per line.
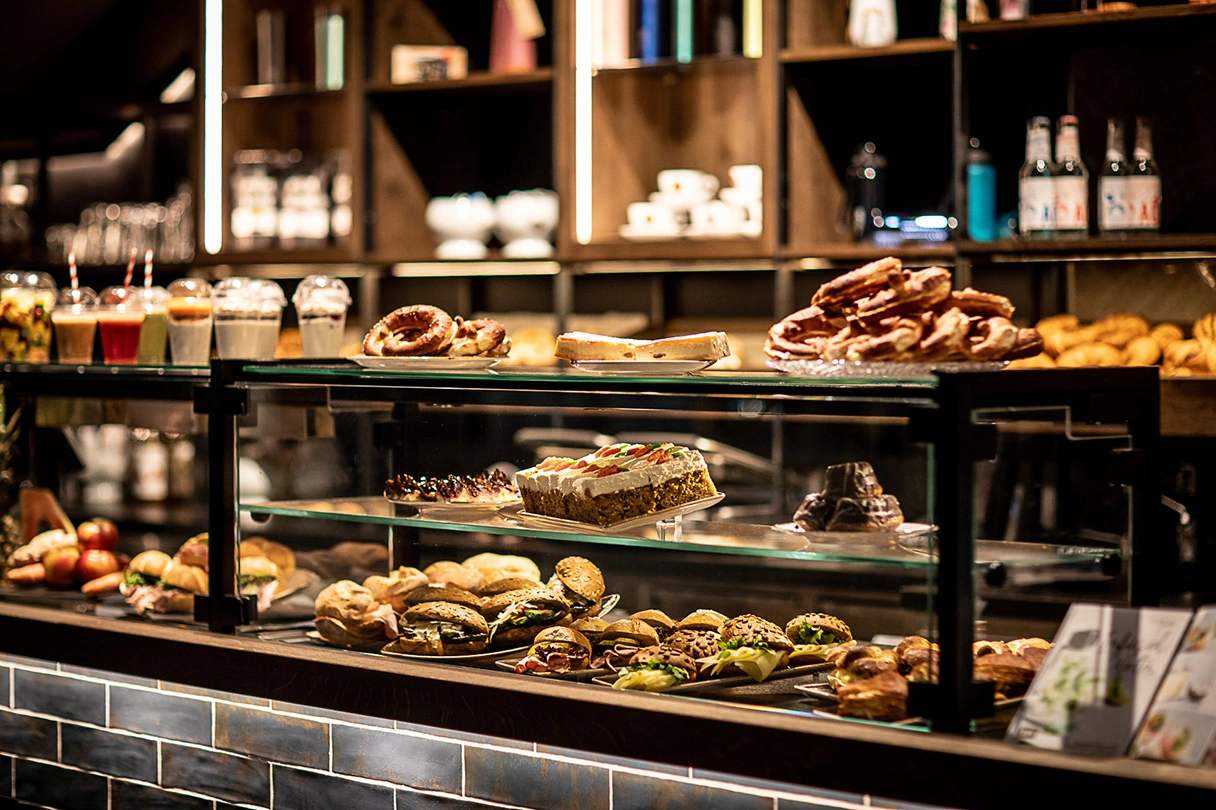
x=842, y=53
x=477, y=80
x=1079, y=21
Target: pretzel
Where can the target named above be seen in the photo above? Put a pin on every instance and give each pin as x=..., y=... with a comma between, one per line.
x=994, y=338
x=922, y=289
x=476, y=337
x=897, y=337
x=981, y=304
x=802, y=334
x=1029, y=343
x=843, y=291
x=415, y=331
x=949, y=335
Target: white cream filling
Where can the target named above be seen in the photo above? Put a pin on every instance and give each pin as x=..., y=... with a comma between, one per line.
x=635, y=473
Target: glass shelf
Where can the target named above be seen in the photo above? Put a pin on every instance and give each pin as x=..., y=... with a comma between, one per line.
x=742, y=539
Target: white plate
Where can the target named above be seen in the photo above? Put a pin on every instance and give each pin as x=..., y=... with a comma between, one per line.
x=899, y=532
x=643, y=367
x=876, y=370
x=425, y=363
x=649, y=234
x=468, y=658
x=517, y=514
x=438, y=510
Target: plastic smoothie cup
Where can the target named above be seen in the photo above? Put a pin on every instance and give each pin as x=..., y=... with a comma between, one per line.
x=247, y=313
x=75, y=321
x=321, y=303
x=26, y=302
x=154, y=334
x=189, y=311
x=120, y=319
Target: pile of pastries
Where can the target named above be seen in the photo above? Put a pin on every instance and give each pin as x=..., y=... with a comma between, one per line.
x=1127, y=339
x=423, y=330
x=872, y=682
x=852, y=500
x=884, y=312
x=450, y=608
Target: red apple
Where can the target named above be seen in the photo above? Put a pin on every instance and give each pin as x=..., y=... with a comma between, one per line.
x=94, y=563
x=60, y=565
x=97, y=533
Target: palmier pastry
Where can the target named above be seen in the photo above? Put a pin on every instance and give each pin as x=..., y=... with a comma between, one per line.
x=994, y=338
x=414, y=331
x=922, y=289
x=479, y=336
x=895, y=337
x=802, y=334
x=981, y=304
x=948, y=335
x=841, y=292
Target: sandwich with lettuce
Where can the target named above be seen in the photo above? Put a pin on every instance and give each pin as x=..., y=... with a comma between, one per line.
x=656, y=669
x=817, y=637
x=750, y=646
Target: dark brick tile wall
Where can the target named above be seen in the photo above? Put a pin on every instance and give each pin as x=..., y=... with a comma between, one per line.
x=399, y=758
x=465, y=736
x=303, y=790
x=69, y=698
x=409, y=800
x=225, y=776
x=764, y=784
x=329, y=714
x=196, y=691
x=608, y=759
x=107, y=752
x=166, y=716
x=112, y=677
x=6, y=776
x=282, y=738
x=633, y=792
x=28, y=736
x=61, y=788
x=5, y=675
x=130, y=796
x=534, y=782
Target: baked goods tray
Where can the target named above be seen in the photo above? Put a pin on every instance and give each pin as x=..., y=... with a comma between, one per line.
x=508, y=665
x=716, y=684
x=380, y=648
x=440, y=510
x=849, y=370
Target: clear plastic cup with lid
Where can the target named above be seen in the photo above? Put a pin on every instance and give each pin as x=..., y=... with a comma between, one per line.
x=26, y=302
x=190, y=322
x=155, y=333
x=247, y=313
x=75, y=320
x=321, y=303
x=120, y=319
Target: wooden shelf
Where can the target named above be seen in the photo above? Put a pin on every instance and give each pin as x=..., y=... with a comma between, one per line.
x=1087, y=19
x=840, y=53
x=634, y=65
x=862, y=252
x=249, y=92
x=324, y=255
x=480, y=80
x=674, y=250
x=1161, y=246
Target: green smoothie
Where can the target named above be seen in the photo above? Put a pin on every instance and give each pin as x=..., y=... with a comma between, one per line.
x=153, y=337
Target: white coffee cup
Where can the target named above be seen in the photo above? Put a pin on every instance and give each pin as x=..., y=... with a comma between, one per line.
x=650, y=215
x=747, y=176
x=688, y=183
x=716, y=215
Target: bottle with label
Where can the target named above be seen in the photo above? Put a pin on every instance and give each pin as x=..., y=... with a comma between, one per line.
x=1036, y=191
x=1144, y=184
x=1071, y=182
x=1114, y=205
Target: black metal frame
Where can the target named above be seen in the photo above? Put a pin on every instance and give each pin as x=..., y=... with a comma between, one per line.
x=942, y=414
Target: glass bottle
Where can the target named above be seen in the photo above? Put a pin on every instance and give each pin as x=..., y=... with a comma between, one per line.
x=1144, y=184
x=1114, y=208
x=1036, y=191
x=1071, y=182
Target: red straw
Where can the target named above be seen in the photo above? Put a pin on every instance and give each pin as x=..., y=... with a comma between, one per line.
x=130, y=269
x=72, y=269
x=148, y=269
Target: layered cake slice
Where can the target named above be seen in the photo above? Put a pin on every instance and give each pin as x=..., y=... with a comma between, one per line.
x=615, y=483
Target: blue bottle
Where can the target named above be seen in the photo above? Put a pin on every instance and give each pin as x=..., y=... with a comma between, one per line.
x=981, y=194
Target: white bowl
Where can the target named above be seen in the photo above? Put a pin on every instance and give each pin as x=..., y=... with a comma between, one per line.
x=464, y=216
x=527, y=215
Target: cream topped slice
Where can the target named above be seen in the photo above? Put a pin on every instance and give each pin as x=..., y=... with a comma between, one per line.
x=616, y=482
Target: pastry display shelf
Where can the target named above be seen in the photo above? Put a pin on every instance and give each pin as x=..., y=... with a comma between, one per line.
x=707, y=537
x=1094, y=249
x=1142, y=22
x=96, y=380
x=538, y=79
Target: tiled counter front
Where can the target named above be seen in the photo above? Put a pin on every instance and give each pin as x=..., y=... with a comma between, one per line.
x=80, y=739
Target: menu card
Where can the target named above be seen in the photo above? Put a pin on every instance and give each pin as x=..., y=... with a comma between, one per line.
x=1181, y=725
x=1099, y=679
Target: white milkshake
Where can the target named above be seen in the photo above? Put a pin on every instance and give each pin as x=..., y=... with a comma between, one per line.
x=247, y=314
x=321, y=304
x=190, y=322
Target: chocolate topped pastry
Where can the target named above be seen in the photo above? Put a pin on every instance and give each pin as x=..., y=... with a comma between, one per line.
x=856, y=479
x=852, y=501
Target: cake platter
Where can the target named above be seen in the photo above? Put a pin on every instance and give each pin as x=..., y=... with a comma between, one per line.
x=516, y=513
x=899, y=533
x=878, y=370
x=442, y=510
x=642, y=368
x=425, y=363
